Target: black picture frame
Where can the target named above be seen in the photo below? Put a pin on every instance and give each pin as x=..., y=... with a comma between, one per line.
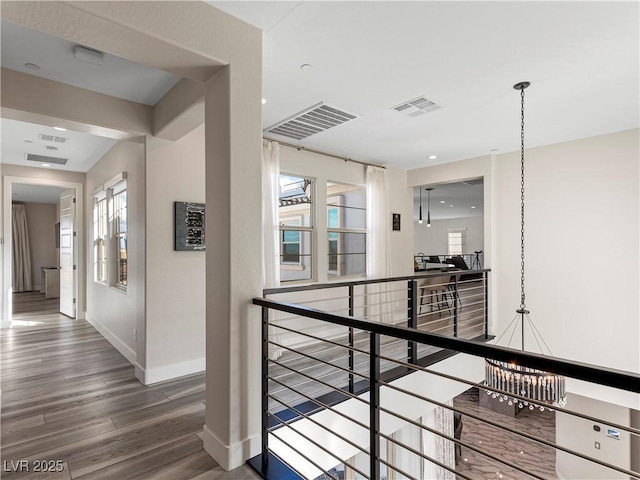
x=189, y=223
x=395, y=222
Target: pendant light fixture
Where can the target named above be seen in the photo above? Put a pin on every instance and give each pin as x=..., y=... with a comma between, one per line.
x=541, y=389
x=420, y=214
x=429, y=207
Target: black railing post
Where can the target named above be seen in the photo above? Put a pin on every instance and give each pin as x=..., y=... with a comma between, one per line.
x=412, y=319
x=485, y=277
x=455, y=305
x=265, y=388
x=374, y=407
x=351, y=341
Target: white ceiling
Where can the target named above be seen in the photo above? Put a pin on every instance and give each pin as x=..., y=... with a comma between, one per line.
x=81, y=149
x=452, y=200
x=581, y=57
x=116, y=76
x=36, y=193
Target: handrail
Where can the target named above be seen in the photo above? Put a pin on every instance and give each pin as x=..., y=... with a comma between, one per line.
x=621, y=379
x=322, y=286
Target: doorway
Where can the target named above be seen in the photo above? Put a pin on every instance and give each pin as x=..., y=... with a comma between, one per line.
x=38, y=195
x=450, y=222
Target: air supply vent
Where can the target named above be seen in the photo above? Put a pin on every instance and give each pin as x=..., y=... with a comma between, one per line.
x=417, y=106
x=44, y=159
x=51, y=138
x=313, y=120
x=475, y=181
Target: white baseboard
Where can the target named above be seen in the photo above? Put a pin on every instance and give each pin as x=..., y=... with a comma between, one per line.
x=114, y=340
x=230, y=456
x=169, y=372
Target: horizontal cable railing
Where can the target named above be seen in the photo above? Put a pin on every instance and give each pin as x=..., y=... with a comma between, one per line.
x=368, y=409
x=441, y=302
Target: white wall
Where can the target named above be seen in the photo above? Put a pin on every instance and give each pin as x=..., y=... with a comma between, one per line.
x=579, y=435
x=582, y=237
x=41, y=221
x=582, y=204
x=114, y=312
x=434, y=240
x=175, y=279
x=401, y=199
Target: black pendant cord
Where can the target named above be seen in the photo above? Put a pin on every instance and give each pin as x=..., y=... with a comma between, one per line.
x=522, y=297
x=522, y=311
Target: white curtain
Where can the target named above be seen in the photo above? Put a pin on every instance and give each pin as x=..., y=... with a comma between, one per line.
x=21, y=250
x=378, y=244
x=436, y=447
x=270, y=229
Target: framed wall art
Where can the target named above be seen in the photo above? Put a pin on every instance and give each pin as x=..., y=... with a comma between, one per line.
x=396, y=222
x=189, y=226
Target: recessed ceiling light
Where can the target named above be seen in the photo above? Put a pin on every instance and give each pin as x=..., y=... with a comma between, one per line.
x=60, y=128
x=473, y=206
x=32, y=66
x=305, y=66
x=45, y=164
x=264, y=100
x=451, y=205
x=442, y=201
x=433, y=157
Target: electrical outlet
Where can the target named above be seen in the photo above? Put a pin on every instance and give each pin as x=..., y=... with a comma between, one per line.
x=135, y=334
x=597, y=445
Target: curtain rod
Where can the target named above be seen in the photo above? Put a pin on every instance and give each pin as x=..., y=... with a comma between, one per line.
x=299, y=147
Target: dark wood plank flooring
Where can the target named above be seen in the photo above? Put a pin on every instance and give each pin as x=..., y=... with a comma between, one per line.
x=69, y=396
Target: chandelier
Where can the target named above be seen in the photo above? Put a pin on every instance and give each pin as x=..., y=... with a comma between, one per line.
x=523, y=386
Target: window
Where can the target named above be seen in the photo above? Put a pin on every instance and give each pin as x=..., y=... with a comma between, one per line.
x=296, y=227
x=290, y=243
x=457, y=241
x=110, y=232
x=119, y=202
x=346, y=229
x=100, y=236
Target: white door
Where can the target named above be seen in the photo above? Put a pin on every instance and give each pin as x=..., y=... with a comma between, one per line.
x=67, y=253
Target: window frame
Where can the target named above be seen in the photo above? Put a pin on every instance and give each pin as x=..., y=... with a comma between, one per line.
x=340, y=207
x=111, y=201
x=119, y=203
x=101, y=238
x=462, y=235
x=304, y=231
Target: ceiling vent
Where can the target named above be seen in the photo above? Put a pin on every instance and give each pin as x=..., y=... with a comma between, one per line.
x=44, y=159
x=51, y=138
x=417, y=106
x=475, y=181
x=313, y=120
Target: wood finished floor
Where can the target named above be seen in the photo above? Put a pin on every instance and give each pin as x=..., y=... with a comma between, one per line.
x=68, y=395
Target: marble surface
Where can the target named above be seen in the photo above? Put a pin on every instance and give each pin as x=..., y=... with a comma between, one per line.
x=530, y=455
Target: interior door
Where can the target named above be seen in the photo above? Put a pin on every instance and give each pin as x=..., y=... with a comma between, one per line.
x=67, y=253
